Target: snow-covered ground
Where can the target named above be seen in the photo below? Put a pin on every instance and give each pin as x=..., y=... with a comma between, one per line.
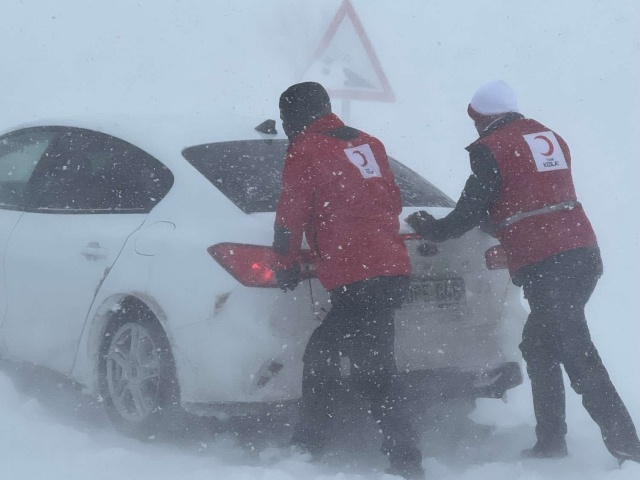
x=576, y=66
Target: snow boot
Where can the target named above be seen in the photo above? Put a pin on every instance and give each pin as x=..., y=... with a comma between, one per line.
x=303, y=448
x=407, y=464
x=410, y=472
x=549, y=448
x=623, y=456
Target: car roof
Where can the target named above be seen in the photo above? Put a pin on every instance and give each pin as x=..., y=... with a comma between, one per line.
x=164, y=135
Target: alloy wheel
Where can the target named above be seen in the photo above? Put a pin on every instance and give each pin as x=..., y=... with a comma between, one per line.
x=133, y=372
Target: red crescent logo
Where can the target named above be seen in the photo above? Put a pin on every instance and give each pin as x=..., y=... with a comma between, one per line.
x=549, y=144
x=365, y=162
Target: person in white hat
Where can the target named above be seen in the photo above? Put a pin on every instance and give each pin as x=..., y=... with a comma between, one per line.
x=521, y=183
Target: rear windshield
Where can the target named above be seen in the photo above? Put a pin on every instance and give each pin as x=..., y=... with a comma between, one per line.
x=249, y=173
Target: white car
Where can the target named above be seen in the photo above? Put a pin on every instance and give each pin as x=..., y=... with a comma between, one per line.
x=136, y=260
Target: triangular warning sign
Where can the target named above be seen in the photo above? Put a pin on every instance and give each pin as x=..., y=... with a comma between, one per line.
x=345, y=62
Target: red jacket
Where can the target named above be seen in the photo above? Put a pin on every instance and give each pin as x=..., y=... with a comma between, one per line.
x=342, y=195
x=535, y=166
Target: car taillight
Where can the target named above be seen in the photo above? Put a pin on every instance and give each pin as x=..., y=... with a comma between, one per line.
x=251, y=265
x=496, y=258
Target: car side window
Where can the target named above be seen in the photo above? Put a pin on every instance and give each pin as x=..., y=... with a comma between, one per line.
x=91, y=172
x=19, y=154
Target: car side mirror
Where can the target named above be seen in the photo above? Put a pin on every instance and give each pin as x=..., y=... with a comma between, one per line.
x=268, y=127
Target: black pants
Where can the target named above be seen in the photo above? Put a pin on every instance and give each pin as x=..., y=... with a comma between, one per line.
x=360, y=325
x=555, y=333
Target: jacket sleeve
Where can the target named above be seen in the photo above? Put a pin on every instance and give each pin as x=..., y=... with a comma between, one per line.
x=294, y=210
x=479, y=194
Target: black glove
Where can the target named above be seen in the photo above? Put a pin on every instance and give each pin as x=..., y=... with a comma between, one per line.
x=288, y=278
x=487, y=226
x=420, y=221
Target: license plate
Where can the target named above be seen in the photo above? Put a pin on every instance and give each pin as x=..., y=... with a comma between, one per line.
x=435, y=292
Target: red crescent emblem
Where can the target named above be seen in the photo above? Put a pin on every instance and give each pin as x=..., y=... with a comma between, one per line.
x=549, y=144
x=365, y=161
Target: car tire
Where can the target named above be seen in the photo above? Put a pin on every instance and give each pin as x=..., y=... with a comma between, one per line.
x=137, y=376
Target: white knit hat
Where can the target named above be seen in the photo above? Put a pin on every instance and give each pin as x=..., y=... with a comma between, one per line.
x=494, y=98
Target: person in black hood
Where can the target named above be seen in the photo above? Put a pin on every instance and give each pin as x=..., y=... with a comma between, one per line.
x=348, y=212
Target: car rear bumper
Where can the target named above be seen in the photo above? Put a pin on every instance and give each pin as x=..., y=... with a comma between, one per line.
x=446, y=383
x=429, y=386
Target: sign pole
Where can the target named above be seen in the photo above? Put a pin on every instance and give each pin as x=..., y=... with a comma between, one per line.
x=346, y=111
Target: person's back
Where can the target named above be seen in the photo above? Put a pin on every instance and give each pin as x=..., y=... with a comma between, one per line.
x=535, y=169
x=355, y=203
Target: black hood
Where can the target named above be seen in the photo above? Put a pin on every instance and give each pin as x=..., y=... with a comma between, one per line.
x=302, y=104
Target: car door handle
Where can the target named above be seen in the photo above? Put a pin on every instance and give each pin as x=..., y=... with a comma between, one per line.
x=93, y=251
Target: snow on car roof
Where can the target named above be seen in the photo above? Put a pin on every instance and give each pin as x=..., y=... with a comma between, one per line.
x=165, y=135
